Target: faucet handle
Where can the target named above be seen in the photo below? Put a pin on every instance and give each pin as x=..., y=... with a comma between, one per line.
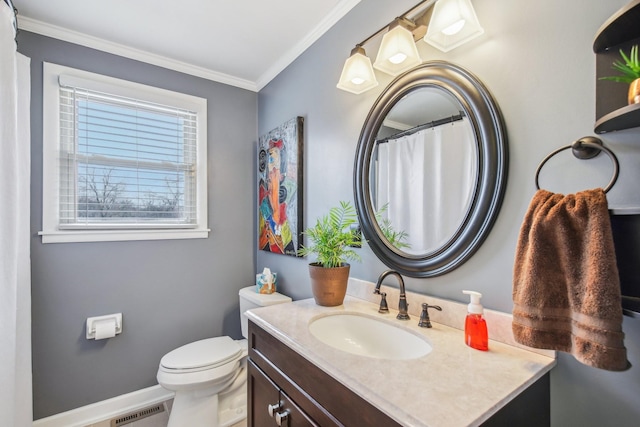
x=425, y=322
x=384, y=308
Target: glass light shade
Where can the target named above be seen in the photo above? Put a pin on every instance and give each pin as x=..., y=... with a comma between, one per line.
x=398, y=52
x=453, y=22
x=357, y=74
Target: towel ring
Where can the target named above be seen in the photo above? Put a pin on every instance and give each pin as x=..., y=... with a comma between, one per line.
x=586, y=147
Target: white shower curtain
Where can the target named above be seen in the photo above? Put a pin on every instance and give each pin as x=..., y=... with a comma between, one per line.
x=15, y=269
x=426, y=178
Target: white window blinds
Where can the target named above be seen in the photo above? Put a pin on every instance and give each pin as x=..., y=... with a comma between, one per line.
x=125, y=162
x=121, y=160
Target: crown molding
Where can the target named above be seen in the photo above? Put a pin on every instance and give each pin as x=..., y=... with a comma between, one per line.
x=329, y=21
x=42, y=28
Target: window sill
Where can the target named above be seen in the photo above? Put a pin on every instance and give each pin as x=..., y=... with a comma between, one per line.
x=120, y=235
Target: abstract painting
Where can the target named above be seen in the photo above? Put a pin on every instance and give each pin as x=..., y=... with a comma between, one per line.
x=280, y=188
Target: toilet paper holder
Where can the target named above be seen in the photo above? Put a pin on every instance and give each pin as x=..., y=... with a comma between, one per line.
x=92, y=322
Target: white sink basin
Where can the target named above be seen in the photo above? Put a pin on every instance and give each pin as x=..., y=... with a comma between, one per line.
x=368, y=336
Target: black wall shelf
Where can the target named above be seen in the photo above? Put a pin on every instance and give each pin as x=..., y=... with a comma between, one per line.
x=626, y=117
x=613, y=113
x=626, y=237
x=621, y=31
x=623, y=26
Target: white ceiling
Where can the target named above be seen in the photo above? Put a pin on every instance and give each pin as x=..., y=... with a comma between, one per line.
x=245, y=43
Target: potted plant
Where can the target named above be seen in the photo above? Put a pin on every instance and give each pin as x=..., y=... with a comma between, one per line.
x=629, y=66
x=331, y=241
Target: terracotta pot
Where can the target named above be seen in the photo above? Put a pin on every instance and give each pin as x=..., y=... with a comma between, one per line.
x=634, y=92
x=329, y=285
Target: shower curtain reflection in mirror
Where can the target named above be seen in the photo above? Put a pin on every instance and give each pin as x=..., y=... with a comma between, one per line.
x=426, y=181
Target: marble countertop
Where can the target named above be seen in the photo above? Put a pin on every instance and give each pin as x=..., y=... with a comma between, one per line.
x=454, y=385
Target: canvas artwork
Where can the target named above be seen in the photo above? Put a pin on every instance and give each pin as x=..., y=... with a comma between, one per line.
x=280, y=189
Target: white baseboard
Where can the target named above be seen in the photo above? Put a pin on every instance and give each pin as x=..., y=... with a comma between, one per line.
x=107, y=409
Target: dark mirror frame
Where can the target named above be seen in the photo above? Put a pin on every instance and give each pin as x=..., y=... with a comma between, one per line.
x=488, y=126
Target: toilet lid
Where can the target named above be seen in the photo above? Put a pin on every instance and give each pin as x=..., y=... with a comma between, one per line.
x=204, y=354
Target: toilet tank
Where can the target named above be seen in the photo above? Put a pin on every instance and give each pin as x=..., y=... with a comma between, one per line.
x=249, y=299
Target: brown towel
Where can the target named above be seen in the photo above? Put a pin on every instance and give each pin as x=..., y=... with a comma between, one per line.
x=566, y=289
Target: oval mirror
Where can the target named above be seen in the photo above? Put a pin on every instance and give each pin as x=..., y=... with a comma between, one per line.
x=430, y=169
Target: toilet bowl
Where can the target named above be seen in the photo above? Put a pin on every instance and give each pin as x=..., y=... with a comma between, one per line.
x=209, y=376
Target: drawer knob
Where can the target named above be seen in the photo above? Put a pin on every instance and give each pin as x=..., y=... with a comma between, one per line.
x=273, y=408
x=282, y=417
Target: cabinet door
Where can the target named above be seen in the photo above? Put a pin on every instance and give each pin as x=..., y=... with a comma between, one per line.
x=268, y=406
x=262, y=392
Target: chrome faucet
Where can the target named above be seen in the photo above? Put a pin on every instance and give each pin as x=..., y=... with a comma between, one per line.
x=402, y=304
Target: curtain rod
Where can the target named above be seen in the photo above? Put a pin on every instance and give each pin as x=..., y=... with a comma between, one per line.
x=428, y=125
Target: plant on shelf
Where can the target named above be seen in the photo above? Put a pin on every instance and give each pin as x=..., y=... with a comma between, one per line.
x=629, y=66
x=331, y=241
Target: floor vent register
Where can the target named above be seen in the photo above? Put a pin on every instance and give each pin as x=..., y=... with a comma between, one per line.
x=136, y=416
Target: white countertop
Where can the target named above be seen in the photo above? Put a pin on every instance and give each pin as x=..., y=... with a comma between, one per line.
x=454, y=385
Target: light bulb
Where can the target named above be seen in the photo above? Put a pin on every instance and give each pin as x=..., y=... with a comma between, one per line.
x=453, y=28
x=398, y=58
x=357, y=80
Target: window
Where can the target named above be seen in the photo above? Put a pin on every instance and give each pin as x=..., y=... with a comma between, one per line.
x=121, y=161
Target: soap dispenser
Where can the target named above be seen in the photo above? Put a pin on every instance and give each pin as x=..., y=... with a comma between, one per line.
x=475, y=327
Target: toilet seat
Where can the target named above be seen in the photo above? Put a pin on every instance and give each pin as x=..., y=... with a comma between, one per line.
x=210, y=363
x=201, y=355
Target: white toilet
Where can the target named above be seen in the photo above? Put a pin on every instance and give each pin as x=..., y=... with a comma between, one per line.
x=209, y=376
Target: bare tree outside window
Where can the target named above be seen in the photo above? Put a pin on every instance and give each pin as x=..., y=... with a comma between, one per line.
x=103, y=195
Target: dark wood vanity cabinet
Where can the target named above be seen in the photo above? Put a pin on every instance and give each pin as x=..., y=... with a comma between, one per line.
x=309, y=397
x=279, y=374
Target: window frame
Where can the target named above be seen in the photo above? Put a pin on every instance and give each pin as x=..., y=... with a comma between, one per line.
x=52, y=230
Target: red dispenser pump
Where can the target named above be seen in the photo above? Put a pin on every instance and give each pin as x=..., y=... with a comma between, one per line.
x=475, y=327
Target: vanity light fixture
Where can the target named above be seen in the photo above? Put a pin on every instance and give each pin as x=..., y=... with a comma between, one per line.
x=398, y=51
x=450, y=24
x=454, y=22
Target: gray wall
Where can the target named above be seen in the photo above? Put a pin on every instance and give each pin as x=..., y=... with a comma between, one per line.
x=170, y=292
x=537, y=60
